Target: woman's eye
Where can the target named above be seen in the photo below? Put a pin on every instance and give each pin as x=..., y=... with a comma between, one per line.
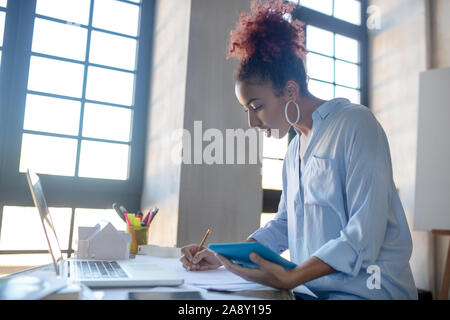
x=253, y=108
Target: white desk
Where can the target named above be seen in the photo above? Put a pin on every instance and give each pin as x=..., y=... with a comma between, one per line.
x=122, y=293
x=48, y=272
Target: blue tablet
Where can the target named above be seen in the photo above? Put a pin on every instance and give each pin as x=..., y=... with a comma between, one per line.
x=239, y=252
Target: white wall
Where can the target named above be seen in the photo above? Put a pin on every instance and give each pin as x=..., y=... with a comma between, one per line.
x=161, y=183
x=440, y=58
x=414, y=37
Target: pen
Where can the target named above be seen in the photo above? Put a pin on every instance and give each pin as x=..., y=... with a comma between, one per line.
x=155, y=211
x=198, y=249
x=147, y=217
x=119, y=212
x=123, y=209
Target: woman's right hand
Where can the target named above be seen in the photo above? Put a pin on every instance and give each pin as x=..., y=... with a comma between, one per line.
x=205, y=259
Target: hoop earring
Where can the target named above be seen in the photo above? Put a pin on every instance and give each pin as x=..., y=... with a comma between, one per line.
x=286, y=115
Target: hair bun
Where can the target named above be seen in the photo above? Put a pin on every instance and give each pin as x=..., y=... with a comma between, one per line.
x=268, y=32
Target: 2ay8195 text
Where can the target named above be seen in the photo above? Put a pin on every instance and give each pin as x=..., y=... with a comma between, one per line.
x=246, y=309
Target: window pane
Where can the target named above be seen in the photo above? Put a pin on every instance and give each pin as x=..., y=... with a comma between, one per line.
x=271, y=174
x=110, y=86
x=52, y=115
x=90, y=217
x=2, y=26
x=104, y=160
x=48, y=155
x=112, y=50
x=54, y=76
x=3, y=3
x=274, y=148
x=76, y=11
x=116, y=127
x=266, y=217
x=108, y=12
x=59, y=39
x=319, y=67
x=347, y=48
x=321, y=90
x=324, y=6
x=17, y=235
x=347, y=74
x=351, y=94
x=319, y=40
x=348, y=10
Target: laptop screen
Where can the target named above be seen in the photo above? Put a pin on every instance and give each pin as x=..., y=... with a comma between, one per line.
x=49, y=230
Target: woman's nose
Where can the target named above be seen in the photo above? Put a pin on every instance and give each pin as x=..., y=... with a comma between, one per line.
x=253, y=120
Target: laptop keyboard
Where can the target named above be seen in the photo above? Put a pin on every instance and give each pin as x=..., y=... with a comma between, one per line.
x=97, y=269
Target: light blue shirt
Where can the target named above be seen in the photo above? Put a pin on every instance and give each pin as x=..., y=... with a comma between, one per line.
x=342, y=207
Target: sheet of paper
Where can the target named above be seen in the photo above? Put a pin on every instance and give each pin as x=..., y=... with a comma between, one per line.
x=219, y=279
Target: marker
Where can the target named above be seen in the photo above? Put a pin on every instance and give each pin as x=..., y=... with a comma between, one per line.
x=127, y=219
x=131, y=230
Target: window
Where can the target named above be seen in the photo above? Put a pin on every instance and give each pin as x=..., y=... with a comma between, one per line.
x=273, y=155
x=333, y=65
x=82, y=71
x=346, y=10
x=336, y=65
x=3, y=4
x=74, y=84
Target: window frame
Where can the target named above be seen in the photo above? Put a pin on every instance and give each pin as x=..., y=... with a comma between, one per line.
x=62, y=190
x=271, y=198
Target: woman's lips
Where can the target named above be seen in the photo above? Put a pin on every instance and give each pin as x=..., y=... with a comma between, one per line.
x=267, y=131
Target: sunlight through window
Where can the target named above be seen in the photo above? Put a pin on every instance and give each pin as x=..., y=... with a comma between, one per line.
x=81, y=86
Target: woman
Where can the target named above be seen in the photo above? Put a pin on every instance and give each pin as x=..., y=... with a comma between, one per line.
x=339, y=213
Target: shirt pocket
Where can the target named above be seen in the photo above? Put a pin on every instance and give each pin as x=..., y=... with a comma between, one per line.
x=321, y=182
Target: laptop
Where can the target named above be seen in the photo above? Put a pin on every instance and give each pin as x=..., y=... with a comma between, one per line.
x=97, y=273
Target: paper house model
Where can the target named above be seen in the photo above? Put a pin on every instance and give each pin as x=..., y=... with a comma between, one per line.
x=103, y=242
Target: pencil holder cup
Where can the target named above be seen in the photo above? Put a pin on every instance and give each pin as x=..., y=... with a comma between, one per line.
x=140, y=234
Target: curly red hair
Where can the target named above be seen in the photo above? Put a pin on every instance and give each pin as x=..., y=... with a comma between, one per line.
x=267, y=30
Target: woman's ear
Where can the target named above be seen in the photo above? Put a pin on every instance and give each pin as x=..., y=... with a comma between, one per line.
x=291, y=90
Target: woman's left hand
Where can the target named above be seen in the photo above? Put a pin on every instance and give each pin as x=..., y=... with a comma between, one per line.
x=268, y=273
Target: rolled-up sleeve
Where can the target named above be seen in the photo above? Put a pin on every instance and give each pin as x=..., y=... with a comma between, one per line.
x=368, y=187
x=274, y=234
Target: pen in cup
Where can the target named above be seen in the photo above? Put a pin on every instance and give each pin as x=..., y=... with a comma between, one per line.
x=119, y=212
x=150, y=216
x=133, y=236
x=155, y=211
